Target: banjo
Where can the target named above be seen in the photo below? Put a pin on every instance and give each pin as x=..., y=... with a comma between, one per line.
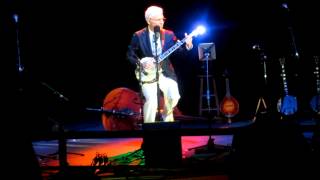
x=149, y=75
x=287, y=105
x=315, y=101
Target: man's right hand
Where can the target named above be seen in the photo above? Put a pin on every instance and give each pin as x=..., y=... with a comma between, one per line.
x=148, y=62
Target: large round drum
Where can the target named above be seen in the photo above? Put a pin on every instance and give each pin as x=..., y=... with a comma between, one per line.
x=123, y=108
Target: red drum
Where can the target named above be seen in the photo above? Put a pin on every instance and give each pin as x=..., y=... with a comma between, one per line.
x=124, y=106
x=122, y=110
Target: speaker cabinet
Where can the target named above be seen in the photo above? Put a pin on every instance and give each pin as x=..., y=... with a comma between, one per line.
x=162, y=144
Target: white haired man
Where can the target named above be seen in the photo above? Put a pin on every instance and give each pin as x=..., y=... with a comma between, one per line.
x=145, y=47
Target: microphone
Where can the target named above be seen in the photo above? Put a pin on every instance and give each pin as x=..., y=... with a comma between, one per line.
x=156, y=31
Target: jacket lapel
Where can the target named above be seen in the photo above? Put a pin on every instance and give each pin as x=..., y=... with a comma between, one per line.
x=146, y=43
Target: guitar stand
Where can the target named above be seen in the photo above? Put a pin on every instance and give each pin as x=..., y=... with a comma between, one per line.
x=262, y=102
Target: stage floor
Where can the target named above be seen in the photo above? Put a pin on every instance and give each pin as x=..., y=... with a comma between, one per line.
x=89, y=145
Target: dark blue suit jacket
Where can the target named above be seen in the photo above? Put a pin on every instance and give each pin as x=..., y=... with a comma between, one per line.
x=140, y=47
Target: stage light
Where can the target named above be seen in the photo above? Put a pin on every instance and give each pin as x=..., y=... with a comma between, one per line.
x=201, y=30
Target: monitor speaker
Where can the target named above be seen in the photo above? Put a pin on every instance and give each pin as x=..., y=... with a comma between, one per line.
x=162, y=144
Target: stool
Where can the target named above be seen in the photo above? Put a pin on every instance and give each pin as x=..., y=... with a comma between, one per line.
x=212, y=97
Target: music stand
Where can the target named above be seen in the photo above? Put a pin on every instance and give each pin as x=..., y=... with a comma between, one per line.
x=207, y=52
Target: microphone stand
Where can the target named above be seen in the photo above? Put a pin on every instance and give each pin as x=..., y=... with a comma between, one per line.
x=25, y=142
x=19, y=64
x=157, y=75
x=141, y=94
x=20, y=68
x=291, y=33
x=62, y=147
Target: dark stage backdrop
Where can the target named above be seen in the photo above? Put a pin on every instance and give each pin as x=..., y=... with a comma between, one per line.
x=78, y=48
